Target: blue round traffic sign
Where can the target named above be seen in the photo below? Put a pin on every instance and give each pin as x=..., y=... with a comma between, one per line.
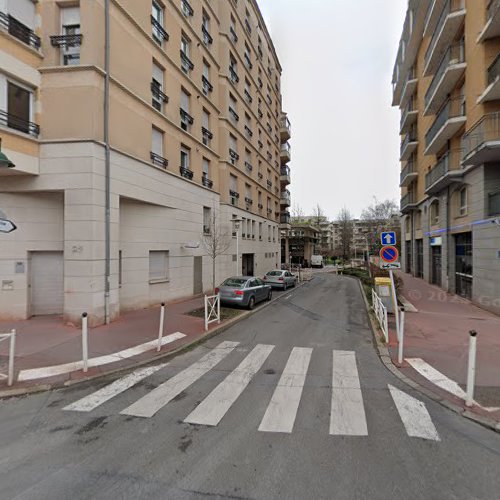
x=389, y=254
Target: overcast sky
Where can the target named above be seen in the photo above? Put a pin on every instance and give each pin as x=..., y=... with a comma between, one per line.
x=337, y=58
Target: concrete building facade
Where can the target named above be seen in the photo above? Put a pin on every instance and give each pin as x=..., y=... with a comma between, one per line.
x=447, y=83
x=131, y=124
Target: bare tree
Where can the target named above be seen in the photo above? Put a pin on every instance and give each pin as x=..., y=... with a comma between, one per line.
x=379, y=216
x=346, y=232
x=297, y=213
x=216, y=240
x=318, y=217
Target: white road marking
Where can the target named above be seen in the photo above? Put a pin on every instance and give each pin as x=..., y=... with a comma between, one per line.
x=436, y=377
x=348, y=413
x=92, y=401
x=211, y=410
x=414, y=415
x=282, y=410
x=288, y=296
x=50, y=371
x=164, y=393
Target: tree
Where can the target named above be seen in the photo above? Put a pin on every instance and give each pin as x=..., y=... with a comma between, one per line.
x=379, y=216
x=346, y=232
x=318, y=217
x=216, y=241
x=297, y=213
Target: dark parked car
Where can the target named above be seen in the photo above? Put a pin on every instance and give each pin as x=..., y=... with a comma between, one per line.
x=244, y=291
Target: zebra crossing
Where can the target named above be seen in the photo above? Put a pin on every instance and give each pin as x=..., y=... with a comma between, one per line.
x=347, y=408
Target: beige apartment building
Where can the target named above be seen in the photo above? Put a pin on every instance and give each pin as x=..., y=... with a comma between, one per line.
x=447, y=84
x=131, y=123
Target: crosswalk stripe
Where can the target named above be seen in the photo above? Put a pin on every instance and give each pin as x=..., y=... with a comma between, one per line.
x=148, y=405
x=92, y=401
x=347, y=415
x=282, y=410
x=211, y=410
x=414, y=415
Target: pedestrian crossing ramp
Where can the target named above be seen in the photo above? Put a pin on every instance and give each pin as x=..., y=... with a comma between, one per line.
x=347, y=407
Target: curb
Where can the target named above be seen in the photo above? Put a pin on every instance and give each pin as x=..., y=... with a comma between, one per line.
x=385, y=358
x=22, y=391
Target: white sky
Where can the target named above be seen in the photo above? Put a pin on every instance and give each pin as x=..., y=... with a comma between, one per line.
x=337, y=58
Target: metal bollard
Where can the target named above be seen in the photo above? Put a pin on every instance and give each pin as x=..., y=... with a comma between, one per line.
x=471, y=368
x=12, y=353
x=401, y=336
x=85, y=342
x=160, y=329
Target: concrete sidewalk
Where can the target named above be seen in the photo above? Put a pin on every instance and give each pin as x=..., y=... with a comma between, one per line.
x=438, y=334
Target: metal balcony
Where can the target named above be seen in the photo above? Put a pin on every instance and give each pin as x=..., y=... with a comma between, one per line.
x=18, y=30
x=158, y=160
x=445, y=172
x=285, y=220
x=481, y=143
x=186, y=63
x=492, y=92
x=492, y=27
x=206, y=181
x=285, y=153
x=285, y=198
x=450, y=20
x=185, y=172
x=433, y=14
x=159, y=32
x=408, y=174
x=408, y=202
x=408, y=118
x=448, y=74
x=448, y=122
x=66, y=41
x=11, y=121
x=233, y=76
x=207, y=86
x=409, y=88
x=285, y=176
x=285, y=128
x=409, y=145
x=207, y=37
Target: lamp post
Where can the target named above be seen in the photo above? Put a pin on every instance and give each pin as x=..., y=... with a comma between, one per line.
x=237, y=223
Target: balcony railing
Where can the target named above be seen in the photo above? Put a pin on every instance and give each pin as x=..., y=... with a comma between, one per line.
x=158, y=94
x=20, y=124
x=207, y=86
x=206, y=133
x=158, y=160
x=159, y=31
x=249, y=166
x=286, y=148
x=450, y=161
x=206, y=181
x=233, y=75
x=492, y=9
x=234, y=194
x=207, y=37
x=452, y=109
x=408, y=199
x=19, y=30
x=234, y=36
x=411, y=136
x=285, y=219
x=186, y=117
x=233, y=114
x=410, y=107
x=187, y=10
x=248, y=130
x=185, y=172
x=454, y=55
x=186, y=63
x=409, y=169
x=66, y=41
x=487, y=129
x=233, y=154
x=285, y=170
x=494, y=70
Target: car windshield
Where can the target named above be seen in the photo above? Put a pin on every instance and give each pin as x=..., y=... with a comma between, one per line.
x=235, y=282
x=274, y=273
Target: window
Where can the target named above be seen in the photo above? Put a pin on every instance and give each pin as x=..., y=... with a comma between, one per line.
x=232, y=109
x=186, y=8
x=233, y=69
x=19, y=106
x=159, y=34
x=248, y=160
x=232, y=30
x=260, y=230
x=186, y=64
x=20, y=21
x=186, y=119
x=247, y=57
x=462, y=201
x=157, y=137
x=205, y=79
x=247, y=92
x=158, y=266
x=248, y=193
x=207, y=220
x=120, y=268
x=233, y=189
x=205, y=29
x=205, y=127
x=158, y=97
x=434, y=213
x=233, y=149
x=70, y=40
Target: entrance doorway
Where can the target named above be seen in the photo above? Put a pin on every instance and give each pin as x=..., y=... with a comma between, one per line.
x=408, y=257
x=436, y=276
x=247, y=262
x=463, y=265
x=420, y=258
x=46, y=283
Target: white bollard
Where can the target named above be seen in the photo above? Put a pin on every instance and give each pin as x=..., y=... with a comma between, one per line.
x=85, y=342
x=471, y=368
x=12, y=353
x=401, y=336
x=160, y=329
x=206, y=313
x=218, y=308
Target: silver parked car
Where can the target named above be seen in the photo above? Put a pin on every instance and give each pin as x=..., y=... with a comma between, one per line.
x=244, y=291
x=280, y=279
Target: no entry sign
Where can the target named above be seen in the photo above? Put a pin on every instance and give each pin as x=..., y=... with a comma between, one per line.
x=389, y=254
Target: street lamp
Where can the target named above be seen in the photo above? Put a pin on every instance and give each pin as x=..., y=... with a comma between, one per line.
x=237, y=223
x=4, y=161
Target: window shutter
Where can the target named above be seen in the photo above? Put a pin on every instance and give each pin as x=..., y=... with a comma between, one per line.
x=158, y=74
x=185, y=102
x=24, y=11
x=157, y=142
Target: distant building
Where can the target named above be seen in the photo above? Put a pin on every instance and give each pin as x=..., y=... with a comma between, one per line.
x=303, y=243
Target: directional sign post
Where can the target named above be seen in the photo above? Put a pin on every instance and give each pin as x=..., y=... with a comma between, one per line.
x=388, y=238
x=7, y=226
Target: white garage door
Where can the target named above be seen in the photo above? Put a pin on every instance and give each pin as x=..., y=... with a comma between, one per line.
x=47, y=283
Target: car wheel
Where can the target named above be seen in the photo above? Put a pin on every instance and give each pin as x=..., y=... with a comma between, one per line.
x=251, y=303
x=270, y=295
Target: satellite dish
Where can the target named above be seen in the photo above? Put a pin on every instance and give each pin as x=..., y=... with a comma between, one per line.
x=192, y=244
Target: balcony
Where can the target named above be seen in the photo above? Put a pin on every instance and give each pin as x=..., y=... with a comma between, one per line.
x=409, y=145
x=159, y=33
x=409, y=88
x=285, y=128
x=19, y=124
x=433, y=15
x=448, y=74
x=18, y=30
x=158, y=95
x=492, y=27
x=186, y=63
x=451, y=19
x=186, y=173
x=233, y=155
x=285, y=153
x=492, y=92
x=206, y=181
x=445, y=172
x=234, y=36
x=186, y=119
x=207, y=37
x=158, y=160
x=285, y=176
x=285, y=220
x=248, y=166
x=248, y=97
x=233, y=76
x=481, y=143
x=187, y=10
x=285, y=198
x=206, y=85
x=408, y=202
x=408, y=174
x=234, y=116
x=448, y=122
x=409, y=117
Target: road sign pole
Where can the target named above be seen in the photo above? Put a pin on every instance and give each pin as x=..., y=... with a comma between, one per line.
x=395, y=301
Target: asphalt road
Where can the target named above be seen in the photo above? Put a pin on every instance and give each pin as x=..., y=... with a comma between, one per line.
x=317, y=434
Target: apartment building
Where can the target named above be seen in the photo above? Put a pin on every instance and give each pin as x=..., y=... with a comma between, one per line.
x=303, y=243
x=447, y=84
x=131, y=123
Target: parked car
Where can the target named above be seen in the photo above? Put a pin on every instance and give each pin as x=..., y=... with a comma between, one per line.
x=280, y=279
x=245, y=291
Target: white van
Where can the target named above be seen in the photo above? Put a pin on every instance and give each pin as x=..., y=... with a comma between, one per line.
x=316, y=261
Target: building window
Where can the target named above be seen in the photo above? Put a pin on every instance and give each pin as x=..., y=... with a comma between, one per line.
x=247, y=57
x=158, y=266
x=205, y=128
x=157, y=15
x=205, y=174
x=186, y=64
x=19, y=109
x=70, y=39
x=186, y=118
x=157, y=137
x=232, y=109
x=233, y=149
x=233, y=189
x=205, y=29
x=158, y=96
x=232, y=30
x=462, y=201
x=207, y=220
x=186, y=8
x=20, y=21
x=233, y=69
x=434, y=213
x=207, y=87
x=184, y=167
